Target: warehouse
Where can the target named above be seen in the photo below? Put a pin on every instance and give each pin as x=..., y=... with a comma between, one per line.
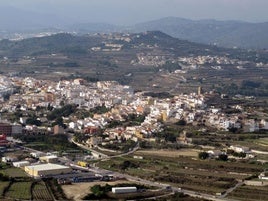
x=49, y=169
x=21, y=164
x=49, y=159
x=118, y=190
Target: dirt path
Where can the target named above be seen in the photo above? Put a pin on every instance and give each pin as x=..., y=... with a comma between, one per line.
x=168, y=153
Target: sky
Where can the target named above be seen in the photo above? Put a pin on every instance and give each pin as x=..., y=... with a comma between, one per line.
x=128, y=12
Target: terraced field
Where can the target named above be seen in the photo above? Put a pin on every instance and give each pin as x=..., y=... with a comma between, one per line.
x=209, y=176
x=40, y=192
x=250, y=193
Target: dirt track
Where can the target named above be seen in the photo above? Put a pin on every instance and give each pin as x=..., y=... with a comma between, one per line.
x=168, y=153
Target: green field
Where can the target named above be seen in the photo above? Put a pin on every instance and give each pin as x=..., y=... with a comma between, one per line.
x=14, y=172
x=19, y=190
x=3, y=185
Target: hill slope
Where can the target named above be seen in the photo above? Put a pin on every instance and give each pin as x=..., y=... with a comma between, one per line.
x=148, y=60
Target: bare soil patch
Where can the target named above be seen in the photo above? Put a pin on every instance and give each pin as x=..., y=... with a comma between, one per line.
x=77, y=191
x=168, y=153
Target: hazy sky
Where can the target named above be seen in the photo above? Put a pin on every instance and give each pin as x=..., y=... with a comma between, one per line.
x=134, y=11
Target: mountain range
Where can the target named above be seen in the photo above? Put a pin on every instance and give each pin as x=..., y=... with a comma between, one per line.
x=221, y=33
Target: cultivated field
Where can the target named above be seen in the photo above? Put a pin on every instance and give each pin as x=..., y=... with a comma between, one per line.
x=40, y=192
x=188, y=172
x=250, y=193
x=19, y=190
x=168, y=153
x=14, y=172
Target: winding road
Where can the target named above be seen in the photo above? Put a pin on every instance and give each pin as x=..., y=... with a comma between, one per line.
x=153, y=183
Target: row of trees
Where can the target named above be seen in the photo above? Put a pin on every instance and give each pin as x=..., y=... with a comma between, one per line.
x=223, y=157
x=204, y=155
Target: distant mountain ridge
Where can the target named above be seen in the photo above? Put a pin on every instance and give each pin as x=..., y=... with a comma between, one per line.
x=221, y=33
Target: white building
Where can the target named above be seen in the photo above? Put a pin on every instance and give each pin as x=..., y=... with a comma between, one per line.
x=118, y=190
x=240, y=149
x=49, y=159
x=214, y=153
x=21, y=164
x=42, y=170
x=37, y=154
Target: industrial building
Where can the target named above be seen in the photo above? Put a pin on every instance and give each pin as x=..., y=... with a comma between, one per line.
x=49, y=169
x=21, y=164
x=49, y=159
x=118, y=190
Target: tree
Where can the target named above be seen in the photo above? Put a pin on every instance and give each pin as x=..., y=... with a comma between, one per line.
x=203, y=155
x=128, y=164
x=65, y=111
x=233, y=129
x=97, y=190
x=223, y=157
x=181, y=122
x=61, y=103
x=59, y=121
x=33, y=121
x=171, y=137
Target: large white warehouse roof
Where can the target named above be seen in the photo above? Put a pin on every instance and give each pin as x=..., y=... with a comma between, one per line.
x=48, y=166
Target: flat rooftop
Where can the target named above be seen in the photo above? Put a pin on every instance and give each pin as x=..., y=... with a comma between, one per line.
x=47, y=166
x=49, y=157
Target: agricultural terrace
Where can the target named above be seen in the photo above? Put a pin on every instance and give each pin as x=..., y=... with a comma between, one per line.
x=40, y=192
x=188, y=172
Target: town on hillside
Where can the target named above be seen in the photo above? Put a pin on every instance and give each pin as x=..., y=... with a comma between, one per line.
x=74, y=132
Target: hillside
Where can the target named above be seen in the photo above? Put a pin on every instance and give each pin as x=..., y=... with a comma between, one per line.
x=72, y=45
x=58, y=43
x=148, y=61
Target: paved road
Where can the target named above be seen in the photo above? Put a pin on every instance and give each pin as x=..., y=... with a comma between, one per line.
x=100, y=155
x=231, y=189
x=130, y=152
x=174, y=189
x=97, y=170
